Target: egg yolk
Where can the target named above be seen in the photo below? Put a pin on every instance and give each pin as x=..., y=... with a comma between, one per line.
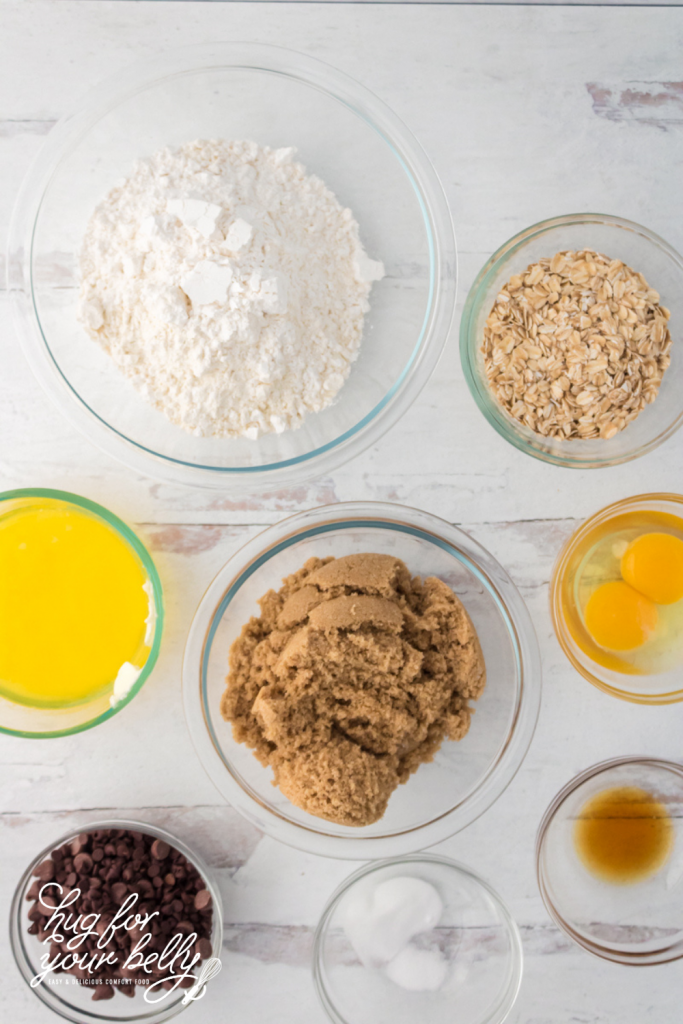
x=618, y=617
x=653, y=564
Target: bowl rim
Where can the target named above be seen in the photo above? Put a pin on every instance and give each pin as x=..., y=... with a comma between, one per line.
x=555, y=595
x=315, y=522
x=421, y=175
x=507, y=1000
x=131, y=538
x=603, y=951
x=470, y=343
x=48, y=997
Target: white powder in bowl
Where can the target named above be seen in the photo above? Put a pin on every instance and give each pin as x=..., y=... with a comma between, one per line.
x=228, y=285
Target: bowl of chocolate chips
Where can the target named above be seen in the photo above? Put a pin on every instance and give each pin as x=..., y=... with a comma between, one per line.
x=120, y=913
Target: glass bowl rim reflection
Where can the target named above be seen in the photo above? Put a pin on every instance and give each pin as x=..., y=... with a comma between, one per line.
x=17, y=931
x=317, y=522
x=605, y=952
x=470, y=341
x=555, y=594
x=339, y=87
x=512, y=929
x=133, y=541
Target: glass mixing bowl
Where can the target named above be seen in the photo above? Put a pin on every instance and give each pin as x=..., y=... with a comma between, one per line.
x=74, y=1002
x=657, y=688
x=620, y=239
x=638, y=923
x=343, y=134
x=44, y=722
x=476, y=935
x=465, y=777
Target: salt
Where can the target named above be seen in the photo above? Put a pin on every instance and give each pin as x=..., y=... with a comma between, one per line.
x=380, y=922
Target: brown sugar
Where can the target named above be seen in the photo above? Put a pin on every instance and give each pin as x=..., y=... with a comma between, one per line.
x=352, y=677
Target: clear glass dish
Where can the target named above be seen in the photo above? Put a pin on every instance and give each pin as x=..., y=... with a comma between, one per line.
x=476, y=935
x=343, y=134
x=465, y=777
x=630, y=924
x=37, y=723
x=620, y=239
x=660, y=688
x=74, y=1002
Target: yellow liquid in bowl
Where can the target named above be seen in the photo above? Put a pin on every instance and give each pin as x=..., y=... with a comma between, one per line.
x=73, y=608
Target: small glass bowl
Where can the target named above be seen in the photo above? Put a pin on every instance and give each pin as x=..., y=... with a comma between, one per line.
x=38, y=723
x=620, y=239
x=72, y=1001
x=344, y=135
x=465, y=777
x=630, y=924
x=660, y=688
x=476, y=934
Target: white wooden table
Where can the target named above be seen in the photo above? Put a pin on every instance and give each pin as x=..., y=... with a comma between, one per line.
x=526, y=112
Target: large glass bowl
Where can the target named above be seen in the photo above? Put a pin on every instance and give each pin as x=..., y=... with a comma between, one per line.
x=476, y=935
x=74, y=1002
x=36, y=722
x=620, y=239
x=343, y=134
x=465, y=777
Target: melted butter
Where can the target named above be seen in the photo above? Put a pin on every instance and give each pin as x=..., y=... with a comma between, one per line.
x=72, y=605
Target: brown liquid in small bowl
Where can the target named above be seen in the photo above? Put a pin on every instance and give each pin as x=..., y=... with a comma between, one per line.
x=623, y=835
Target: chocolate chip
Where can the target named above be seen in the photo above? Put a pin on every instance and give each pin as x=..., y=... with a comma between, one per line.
x=160, y=849
x=45, y=871
x=119, y=891
x=203, y=947
x=83, y=863
x=33, y=892
x=103, y=992
x=97, y=854
x=202, y=900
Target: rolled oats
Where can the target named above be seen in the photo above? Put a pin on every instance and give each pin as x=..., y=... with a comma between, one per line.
x=576, y=346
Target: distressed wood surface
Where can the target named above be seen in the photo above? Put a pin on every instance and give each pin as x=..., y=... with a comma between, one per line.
x=527, y=112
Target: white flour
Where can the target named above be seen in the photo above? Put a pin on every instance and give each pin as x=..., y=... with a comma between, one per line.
x=228, y=285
